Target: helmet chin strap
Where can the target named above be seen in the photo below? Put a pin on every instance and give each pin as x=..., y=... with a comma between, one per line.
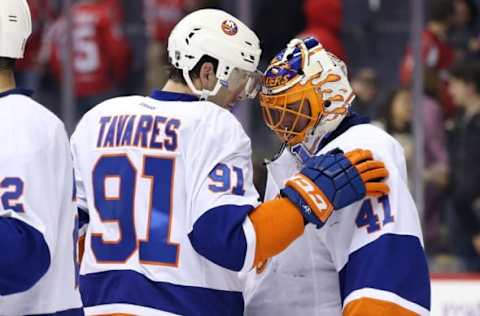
x=204, y=95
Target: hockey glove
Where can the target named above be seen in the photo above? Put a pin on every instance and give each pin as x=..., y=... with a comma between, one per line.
x=333, y=181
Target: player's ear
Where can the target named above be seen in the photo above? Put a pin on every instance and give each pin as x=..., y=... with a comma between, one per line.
x=207, y=76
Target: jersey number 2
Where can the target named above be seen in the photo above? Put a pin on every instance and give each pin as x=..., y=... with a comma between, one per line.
x=119, y=209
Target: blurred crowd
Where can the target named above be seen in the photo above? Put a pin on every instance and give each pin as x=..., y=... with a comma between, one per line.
x=119, y=47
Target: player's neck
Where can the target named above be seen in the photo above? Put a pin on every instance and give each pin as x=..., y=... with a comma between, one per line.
x=172, y=86
x=7, y=81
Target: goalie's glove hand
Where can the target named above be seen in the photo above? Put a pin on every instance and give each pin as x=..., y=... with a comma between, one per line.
x=333, y=181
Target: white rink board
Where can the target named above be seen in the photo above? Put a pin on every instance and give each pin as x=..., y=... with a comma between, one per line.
x=456, y=296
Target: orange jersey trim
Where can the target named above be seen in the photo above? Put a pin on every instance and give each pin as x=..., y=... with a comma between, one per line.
x=374, y=307
x=115, y=314
x=277, y=224
x=81, y=248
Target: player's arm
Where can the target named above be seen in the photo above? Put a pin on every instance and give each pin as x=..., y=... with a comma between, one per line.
x=29, y=191
x=235, y=234
x=326, y=183
x=388, y=276
x=382, y=266
x=26, y=255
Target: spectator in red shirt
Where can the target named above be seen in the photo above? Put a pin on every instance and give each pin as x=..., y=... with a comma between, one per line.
x=101, y=52
x=116, y=9
x=160, y=18
x=324, y=20
x=437, y=55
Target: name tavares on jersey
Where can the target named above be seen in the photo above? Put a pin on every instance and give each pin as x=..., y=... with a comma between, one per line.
x=145, y=131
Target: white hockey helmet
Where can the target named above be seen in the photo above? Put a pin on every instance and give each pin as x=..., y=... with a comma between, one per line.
x=15, y=27
x=215, y=33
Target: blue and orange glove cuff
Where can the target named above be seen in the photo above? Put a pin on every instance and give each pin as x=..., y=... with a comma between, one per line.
x=309, y=199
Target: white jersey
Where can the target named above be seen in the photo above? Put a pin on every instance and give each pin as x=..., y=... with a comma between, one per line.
x=167, y=187
x=368, y=252
x=36, y=201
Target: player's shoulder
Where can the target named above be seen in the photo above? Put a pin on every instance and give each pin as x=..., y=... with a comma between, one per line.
x=25, y=110
x=372, y=221
x=369, y=134
x=214, y=128
x=198, y=117
x=217, y=120
x=111, y=106
x=34, y=126
x=373, y=217
x=366, y=136
x=216, y=112
x=117, y=103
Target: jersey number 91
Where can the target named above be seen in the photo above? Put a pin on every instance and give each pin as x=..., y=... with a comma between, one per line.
x=155, y=249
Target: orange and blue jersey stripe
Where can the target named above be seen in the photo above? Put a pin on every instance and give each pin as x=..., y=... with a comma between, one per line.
x=133, y=288
x=393, y=264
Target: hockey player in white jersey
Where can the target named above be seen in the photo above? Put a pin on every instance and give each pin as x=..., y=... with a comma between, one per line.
x=38, y=270
x=164, y=182
x=369, y=258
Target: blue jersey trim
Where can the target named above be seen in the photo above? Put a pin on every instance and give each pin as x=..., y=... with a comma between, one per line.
x=83, y=217
x=218, y=235
x=25, y=258
x=172, y=96
x=22, y=91
x=68, y=312
x=393, y=263
x=130, y=287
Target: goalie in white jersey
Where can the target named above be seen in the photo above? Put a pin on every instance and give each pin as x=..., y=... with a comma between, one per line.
x=165, y=184
x=369, y=258
x=38, y=270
